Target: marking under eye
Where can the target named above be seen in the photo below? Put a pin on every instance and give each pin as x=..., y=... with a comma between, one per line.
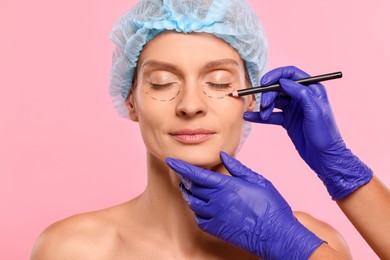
x=163, y=100
x=219, y=97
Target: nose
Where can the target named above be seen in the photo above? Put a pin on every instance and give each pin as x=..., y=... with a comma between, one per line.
x=191, y=101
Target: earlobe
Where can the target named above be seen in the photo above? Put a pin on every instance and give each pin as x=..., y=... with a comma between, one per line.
x=131, y=108
x=252, y=103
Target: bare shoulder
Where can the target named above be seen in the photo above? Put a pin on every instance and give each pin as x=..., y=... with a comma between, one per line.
x=91, y=235
x=324, y=231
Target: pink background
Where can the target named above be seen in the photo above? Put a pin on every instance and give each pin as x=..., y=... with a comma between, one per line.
x=63, y=149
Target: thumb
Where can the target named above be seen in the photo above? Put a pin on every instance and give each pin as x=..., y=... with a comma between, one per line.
x=252, y=117
x=237, y=169
x=257, y=117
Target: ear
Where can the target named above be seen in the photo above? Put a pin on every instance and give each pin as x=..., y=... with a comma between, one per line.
x=252, y=103
x=131, y=108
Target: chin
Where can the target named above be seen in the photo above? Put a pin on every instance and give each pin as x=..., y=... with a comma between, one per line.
x=204, y=157
x=202, y=161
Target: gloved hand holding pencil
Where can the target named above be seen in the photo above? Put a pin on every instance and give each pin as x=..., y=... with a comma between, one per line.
x=307, y=116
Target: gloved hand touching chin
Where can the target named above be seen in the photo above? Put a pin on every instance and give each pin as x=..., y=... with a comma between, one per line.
x=244, y=209
x=307, y=116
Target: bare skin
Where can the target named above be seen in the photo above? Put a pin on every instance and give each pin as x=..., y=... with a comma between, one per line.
x=368, y=209
x=158, y=224
x=145, y=228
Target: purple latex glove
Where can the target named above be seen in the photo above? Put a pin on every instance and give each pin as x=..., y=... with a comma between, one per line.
x=245, y=210
x=308, y=118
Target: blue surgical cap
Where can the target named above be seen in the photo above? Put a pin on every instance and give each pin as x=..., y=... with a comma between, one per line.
x=234, y=21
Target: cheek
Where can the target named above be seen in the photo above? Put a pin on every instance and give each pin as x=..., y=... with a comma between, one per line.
x=147, y=110
x=233, y=112
x=232, y=118
x=150, y=117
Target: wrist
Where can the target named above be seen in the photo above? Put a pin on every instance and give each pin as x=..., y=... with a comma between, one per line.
x=288, y=238
x=344, y=174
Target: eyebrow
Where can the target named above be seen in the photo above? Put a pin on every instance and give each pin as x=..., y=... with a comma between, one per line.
x=219, y=63
x=209, y=66
x=159, y=64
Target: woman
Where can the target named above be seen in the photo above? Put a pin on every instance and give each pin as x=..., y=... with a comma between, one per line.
x=174, y=64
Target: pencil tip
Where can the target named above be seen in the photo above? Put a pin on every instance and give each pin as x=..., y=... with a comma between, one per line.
x=233, y=94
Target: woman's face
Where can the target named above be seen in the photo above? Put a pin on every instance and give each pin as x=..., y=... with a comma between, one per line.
x=191, y=126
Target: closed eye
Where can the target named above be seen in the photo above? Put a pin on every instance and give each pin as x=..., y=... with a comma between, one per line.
x=155, y=86
x=220, y=86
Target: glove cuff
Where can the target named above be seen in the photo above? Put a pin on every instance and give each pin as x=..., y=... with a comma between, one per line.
x=289, y=239
x=347, y=174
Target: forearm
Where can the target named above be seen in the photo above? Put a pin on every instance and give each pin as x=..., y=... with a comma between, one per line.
x=368, y=209
x=327, y=252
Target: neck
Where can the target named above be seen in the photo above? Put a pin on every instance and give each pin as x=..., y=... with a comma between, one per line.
x=166, y=217
x=165, y=211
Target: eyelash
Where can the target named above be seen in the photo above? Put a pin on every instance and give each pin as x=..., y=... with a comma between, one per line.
x=161, y=86
x=211, y=84
x=219, y=85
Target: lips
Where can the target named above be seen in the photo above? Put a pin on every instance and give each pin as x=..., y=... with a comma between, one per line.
x=192, y=136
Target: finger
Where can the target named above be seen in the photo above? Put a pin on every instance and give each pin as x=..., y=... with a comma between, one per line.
x=294, y=73
x=185, y=181
x=299, y=92
x=319, y=91
x=252, y=117
x=203, y=193
x=310, y=105
x=237, y=169
x=265, y=113
x=212, y=226
x=202, y=222
x=198, y=206
x=195, y=174
x=267, y=104
x=281, y=101
x=268, y=98
x=276, y=118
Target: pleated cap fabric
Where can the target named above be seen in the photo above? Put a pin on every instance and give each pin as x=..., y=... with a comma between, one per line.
x=234, y=21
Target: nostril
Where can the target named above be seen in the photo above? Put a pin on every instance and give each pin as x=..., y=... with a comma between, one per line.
x=191, y=101
x=191, y=111
x=191, y=107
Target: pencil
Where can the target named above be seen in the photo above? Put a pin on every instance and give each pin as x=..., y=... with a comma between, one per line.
x=277, y=87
